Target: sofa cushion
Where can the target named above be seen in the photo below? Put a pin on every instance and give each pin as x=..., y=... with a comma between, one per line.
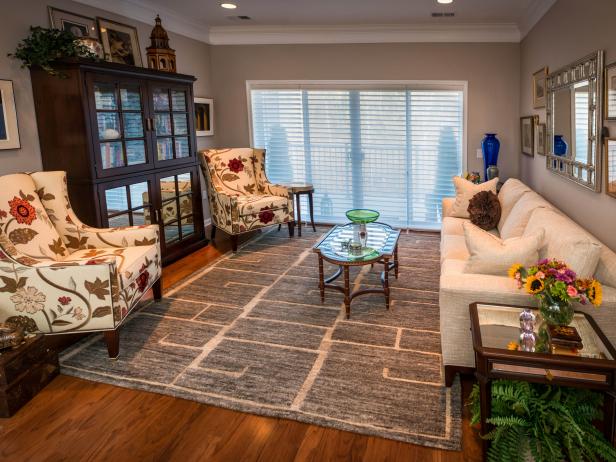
x=453, y=246
x=25, y=221
x=492, y=255
x=518, y=218
x=566, y=241
x=606, y=269
x=465, y=190
x=509, y=194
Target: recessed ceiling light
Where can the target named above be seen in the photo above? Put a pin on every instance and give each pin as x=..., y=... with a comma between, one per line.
x=229, y=6
x=445, y=2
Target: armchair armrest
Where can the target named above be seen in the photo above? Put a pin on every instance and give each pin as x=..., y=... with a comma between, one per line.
x=113, y=237
x=276, y=189
x=447, y=205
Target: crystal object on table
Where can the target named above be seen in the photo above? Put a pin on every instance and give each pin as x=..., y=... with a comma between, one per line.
x=527, y=320
x=528, y=338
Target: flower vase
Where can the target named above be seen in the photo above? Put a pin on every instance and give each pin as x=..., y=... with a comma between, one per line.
x=560, y=145
x=490, y=146
x=556, y=313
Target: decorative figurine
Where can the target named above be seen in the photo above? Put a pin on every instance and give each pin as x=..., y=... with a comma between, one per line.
x=160, y=56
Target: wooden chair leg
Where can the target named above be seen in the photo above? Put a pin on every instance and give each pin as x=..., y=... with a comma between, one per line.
x=157, y=288
x=112, y=338
x=291, y=225
x=311, y=207
x=234, y=239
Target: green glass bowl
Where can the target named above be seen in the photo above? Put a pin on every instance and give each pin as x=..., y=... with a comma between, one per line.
x=362, y=215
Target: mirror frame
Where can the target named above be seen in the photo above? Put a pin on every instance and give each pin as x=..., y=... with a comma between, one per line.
x=589, y=68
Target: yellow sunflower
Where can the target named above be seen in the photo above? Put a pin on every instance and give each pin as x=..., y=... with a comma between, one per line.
x=515, y=269
x=534, y=285
x=595, y=293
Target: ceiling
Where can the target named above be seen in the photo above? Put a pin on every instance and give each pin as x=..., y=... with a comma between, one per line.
x=207, y=21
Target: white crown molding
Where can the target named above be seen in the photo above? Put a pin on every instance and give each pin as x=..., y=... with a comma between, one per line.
x=262, y=35
x=535, y=12
x=141, y=10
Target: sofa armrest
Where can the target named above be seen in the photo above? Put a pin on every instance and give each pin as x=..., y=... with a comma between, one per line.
x=447, y=205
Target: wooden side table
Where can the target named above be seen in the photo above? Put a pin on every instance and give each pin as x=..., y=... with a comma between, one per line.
x=493, y=326
x=297, y=190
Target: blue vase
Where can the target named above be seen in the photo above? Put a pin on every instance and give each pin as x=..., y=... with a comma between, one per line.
x=560, y=145
x=490, y=147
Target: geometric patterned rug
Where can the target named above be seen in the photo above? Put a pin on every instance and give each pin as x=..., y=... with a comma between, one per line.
x=249, y=333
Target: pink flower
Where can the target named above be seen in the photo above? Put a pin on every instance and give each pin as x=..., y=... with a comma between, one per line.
x=572, y=291
x=582, y=299
x=540, y=275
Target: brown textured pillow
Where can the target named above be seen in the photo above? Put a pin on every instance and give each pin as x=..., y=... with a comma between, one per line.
x=484, y=210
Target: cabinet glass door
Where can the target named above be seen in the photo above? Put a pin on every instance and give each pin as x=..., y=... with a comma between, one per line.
x=172, y=125
x=127, y=203
x=120, y=122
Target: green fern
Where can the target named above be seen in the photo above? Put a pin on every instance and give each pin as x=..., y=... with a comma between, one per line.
x=552, y=423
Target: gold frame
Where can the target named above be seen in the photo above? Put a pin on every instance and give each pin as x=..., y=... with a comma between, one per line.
x=539, y=103
x=11, y=125
x=545, y=139
x=606, y=92
x=607, y=168
x=532, y=134
x=55, y=15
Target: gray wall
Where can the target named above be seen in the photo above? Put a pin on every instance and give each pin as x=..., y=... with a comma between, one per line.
x=570, y=30
x=492, y=72
x=193, y=57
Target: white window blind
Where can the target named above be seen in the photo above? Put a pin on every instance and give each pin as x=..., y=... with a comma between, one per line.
x=390, y=149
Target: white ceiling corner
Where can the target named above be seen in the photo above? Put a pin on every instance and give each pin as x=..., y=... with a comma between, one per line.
x=141, y=10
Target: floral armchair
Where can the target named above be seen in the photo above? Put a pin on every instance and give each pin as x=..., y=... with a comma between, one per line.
x=241, y=197
x=58, y=275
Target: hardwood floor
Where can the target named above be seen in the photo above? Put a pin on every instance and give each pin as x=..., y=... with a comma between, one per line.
x=75, y=420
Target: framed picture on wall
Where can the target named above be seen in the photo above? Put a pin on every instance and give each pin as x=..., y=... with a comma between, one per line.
x=204, y=116
x=79, y=26
x=539, y=87
x=527, y=135
x=610, y=92
x=540, y=140
x=9, y=133
x=610, y=166
x=120, y=42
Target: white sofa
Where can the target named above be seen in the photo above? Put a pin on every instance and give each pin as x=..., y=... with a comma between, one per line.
x=459, y=289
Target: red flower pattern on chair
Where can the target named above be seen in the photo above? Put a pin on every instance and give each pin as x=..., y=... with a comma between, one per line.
x=23, y=212
x=266, y=215
x=235, y=165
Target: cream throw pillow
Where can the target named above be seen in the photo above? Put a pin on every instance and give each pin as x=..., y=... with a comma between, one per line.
x=465, y=190
x=492, y=255
x=516, y=221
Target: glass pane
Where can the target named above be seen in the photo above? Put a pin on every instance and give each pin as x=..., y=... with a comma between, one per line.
x=172, y=233
x=105, y=96
x=170, y=211
x=133, y=125
x=116, y=199
x=108, y=125
x=142, y=217
x=186, y=205
x=180, y=124
x=163, y=124
x=135, y=152
x=165, y=148
x=131, y=99
x=120, y=220
x=112, y=155
x=178, y=100
x=161, y=100
x=181, y=147
x=184, y=183
x=139, y=195
x=188, y=227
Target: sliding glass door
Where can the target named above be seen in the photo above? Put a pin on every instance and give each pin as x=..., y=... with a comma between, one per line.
x=390, y=149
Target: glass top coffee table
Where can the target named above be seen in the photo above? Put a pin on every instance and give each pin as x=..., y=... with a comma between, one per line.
x=381, y=247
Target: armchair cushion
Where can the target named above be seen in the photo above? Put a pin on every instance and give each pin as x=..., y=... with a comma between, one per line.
x=26, y=221
x=252, y=205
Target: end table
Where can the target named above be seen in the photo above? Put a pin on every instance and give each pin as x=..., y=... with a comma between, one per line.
x=297, y=190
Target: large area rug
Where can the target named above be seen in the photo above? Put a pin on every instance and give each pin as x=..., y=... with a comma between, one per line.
x=249, y=333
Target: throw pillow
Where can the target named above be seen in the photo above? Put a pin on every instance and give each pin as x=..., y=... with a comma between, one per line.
x=492, y=255
x=485, y=210
x=521, y=212
x=509, y=195
x=465, y=190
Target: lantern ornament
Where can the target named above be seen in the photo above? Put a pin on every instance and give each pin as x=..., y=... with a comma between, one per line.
x=160, y=56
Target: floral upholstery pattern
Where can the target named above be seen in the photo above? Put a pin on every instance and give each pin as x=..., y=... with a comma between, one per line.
x=240, y=196
x=88, y=280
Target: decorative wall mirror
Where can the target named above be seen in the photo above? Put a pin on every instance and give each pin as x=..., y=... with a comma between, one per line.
x=574, y=121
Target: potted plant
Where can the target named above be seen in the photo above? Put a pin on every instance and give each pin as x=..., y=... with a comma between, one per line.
x=556, y=286
x=45, y=46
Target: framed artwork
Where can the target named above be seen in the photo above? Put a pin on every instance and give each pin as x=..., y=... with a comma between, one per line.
x=610, y=166
x=539, y=87
x=527, y=132
x=120, y=42
x=9, y=133
x=610, y=92
x=79, y=26
x=204, y=116
x=540, y=140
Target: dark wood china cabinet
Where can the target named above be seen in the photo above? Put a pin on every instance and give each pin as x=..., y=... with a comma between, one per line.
x=125, y=135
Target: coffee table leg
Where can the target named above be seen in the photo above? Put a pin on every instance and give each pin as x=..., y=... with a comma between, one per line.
x=321, y=279
x=386, y=281
x=347, y=292
x=485, y=400
x=609, y=416
x=311, y=207
x=299, y=215
x=396, y=263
